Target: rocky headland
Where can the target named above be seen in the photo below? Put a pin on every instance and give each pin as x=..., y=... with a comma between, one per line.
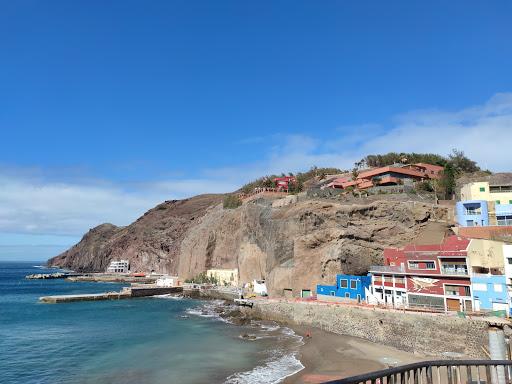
x=295, y=242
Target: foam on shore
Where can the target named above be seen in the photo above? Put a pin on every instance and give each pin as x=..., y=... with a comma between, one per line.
x=280, y=359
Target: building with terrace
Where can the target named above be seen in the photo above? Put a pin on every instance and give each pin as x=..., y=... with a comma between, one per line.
x=283, y=183
x=430, y=276
x=483, y=204
x=391, y=175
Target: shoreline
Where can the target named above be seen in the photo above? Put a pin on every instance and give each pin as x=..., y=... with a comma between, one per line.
x=330, y=356
x=325, y=355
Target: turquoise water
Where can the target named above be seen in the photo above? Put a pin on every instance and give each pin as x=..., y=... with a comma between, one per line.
x=147, y=340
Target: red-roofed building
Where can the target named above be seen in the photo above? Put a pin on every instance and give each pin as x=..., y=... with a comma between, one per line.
x=431, y=276
x=283, y=183
x=390, y=175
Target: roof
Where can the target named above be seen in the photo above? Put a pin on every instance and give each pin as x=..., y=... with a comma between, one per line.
x=381, y=170
x=430, y=166
x=455, y=245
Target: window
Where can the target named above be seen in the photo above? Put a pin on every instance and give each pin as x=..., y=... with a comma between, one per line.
x=504, y=220
x=452, y=290
x=399, y=280
x=388, y=279
x=497, y=202
x=482, y=189
x=480, y=287
x=347, y=295
x=510, y=201
x=343, y=283
x=509, y=259
x=358, y=297
x=353, y=284
x=422, y=264
x=467, y=291
x=332, y=293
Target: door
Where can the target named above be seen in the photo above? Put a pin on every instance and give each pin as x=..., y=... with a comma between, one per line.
x=453, y=305
x=468, y=306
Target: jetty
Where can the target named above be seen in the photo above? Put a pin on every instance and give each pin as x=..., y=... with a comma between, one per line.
x=142, y=290
x=58, y=275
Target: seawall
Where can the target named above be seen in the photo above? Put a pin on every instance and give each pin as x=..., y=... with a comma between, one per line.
x=424, y=334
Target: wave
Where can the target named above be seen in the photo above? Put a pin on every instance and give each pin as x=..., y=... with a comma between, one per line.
x=281, y=361
x=273, y=371
x=168, y=296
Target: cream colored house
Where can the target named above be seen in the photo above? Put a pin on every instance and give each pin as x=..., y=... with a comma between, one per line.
x=486, y=256
x=224, y=276
x=499, y=194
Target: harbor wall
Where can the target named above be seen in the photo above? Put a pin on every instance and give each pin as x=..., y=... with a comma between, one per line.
x=151, y=291
x=424, y=334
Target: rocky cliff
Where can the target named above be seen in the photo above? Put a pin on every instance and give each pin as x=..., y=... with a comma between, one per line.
x=294, y=243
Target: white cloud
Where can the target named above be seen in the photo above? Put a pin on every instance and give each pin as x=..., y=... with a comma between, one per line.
x=482, y=132
x=34, y=205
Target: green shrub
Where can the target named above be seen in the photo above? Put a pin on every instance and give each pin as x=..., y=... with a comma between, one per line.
x=231, y=202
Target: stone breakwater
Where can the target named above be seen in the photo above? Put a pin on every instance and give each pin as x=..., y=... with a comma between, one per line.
x=424, y=334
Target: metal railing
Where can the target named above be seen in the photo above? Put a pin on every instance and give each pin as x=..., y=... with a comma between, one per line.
x=387, y=268
x=454, y=271
x=438, y=372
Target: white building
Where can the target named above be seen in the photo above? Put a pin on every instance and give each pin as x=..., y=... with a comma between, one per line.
x=260, y=288
x=118, y=266
x=167, y=281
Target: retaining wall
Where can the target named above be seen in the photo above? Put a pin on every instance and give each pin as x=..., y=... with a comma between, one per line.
x=424, y=334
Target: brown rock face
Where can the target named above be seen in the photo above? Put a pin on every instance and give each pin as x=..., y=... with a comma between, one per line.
x=293, y=246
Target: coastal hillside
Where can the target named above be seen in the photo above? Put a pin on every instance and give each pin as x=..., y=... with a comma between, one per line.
x=293, y=242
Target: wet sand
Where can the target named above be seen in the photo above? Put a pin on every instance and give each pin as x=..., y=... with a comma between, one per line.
x=329, y=356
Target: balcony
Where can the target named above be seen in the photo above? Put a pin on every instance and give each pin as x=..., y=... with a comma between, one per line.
x=455, y=270
x=387, y=268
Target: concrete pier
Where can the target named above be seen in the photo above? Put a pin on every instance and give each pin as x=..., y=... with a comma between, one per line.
x=86, y=297
x=126, y=293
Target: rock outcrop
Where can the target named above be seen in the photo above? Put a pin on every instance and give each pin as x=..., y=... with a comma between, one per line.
x=294, y=244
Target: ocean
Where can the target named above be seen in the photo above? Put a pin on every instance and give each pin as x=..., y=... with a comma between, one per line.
x=153, y=340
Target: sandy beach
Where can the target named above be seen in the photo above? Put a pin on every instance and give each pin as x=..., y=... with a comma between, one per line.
x=329, y=356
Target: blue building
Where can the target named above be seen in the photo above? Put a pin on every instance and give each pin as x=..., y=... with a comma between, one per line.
x=490, y=292
x=471, y=213
x=347, y=287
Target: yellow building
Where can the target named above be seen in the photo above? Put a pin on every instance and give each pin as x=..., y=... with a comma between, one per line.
x=499, y=194
x=224, y=276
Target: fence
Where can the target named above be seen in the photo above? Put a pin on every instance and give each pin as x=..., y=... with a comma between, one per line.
x=439, y=372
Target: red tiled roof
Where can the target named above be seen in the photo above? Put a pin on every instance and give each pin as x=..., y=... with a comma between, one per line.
x=381, y=170
x=431, y=167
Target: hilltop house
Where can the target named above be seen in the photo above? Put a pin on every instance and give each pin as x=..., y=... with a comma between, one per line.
x=283, y=183
x=390, y=175
x=347, y=287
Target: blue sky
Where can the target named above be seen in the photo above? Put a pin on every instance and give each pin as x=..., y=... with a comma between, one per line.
x=108, y=107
